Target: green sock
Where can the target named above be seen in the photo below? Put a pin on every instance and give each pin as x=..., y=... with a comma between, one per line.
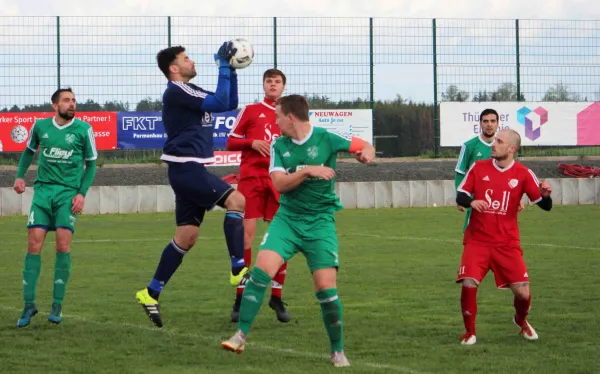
x=252, y=298
x=62, y=270
x=331, y=309
x=31, y=272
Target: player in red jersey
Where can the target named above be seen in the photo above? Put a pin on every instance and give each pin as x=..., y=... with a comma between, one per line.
x=494, y=188
x=252, y=133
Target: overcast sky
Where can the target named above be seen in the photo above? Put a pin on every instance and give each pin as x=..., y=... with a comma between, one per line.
x=402, y=68
x=537, y=9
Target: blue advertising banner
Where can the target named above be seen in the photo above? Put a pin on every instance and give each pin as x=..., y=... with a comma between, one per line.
x=145, y=130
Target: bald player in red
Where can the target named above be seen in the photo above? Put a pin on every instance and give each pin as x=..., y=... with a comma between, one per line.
x=494, y=189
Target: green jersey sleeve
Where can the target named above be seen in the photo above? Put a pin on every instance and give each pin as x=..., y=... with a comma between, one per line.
x=339, y=143
x=34, y=141
x=90, y=152
x=276, y=163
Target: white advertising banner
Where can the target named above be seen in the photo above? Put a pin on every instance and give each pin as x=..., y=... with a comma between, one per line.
x=346, y=122
x=538, y=123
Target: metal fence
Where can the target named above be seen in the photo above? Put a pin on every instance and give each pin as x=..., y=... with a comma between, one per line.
x=372, y=62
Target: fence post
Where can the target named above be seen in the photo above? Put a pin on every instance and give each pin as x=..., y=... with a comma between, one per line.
x=371, y=65
x=518, y=52
x=58, y=51
x=169, y=31
x=436, y=120
x=275, y=42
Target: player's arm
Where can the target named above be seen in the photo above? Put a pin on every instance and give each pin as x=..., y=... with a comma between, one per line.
x=203, y=100
x=234, y=99
x=461, y=165
x=538, y=193
x=26, y=159
x=91, y=154
x=364, y=151
x=285, y=182
x=236, y=140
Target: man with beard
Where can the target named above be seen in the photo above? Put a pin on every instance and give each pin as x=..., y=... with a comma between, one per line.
x=476, y=148
x=494, y=188
x=187, y=117
x=65, y=143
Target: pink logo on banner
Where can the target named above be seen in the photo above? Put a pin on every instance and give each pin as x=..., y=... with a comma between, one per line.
x=588, y=125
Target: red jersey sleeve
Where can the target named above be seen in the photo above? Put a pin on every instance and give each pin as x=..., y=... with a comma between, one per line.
x=468, y=183
x=531, y=186
x=240, y=126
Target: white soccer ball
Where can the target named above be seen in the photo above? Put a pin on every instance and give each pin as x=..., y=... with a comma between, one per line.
x=244, y=55
x=19, y=134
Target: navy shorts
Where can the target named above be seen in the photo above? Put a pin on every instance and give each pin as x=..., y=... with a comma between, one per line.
x=196, y=191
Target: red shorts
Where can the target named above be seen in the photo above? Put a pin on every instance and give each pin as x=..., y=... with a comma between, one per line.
x=262, y=200
x=506, y=261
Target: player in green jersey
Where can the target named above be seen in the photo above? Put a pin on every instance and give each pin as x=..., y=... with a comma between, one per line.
x=476, y=148
x=65, y=144
x=302, y=169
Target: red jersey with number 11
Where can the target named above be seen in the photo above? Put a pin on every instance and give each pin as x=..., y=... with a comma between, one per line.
x=503, y=190
x=256, y=122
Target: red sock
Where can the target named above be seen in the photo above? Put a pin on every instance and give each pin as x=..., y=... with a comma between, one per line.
x=248, y=261
x=522, y=307
x=248, y=257
x=278, y=281
x=468, y=303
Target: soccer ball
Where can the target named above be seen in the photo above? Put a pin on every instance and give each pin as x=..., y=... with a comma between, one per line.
x=18, y=134
x=244, y=55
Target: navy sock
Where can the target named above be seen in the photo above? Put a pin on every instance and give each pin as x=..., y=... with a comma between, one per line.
x=233, y=226
x=169, y=262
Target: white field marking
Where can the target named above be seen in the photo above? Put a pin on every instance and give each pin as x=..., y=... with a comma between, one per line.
x=459, y=241
x=218, y=339
x=134, y=240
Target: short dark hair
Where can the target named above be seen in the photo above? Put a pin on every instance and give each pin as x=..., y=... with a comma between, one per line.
x=296, y=105
x=56, y=95
x=486, y=112
x=166, y=56
x=274, y=73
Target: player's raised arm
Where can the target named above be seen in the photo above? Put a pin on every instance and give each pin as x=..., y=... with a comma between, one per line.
x=364, y=151
x=193, y=97
x=234, y=99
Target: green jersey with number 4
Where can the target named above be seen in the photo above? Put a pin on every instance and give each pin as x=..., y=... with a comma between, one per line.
x=63, y=151
x=313, y=195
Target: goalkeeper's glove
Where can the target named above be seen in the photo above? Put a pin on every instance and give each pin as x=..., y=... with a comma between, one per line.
x=224, y=55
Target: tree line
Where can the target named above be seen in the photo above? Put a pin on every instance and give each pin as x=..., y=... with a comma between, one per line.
x=401, y=127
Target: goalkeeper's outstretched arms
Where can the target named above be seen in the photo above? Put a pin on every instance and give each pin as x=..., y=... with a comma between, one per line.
x=221, y=99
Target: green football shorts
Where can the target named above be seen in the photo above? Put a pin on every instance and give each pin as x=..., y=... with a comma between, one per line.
x=51, y=207
x=314, y=236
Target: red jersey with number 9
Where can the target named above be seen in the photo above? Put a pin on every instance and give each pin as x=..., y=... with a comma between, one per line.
x=502, y=189
x=256, y=122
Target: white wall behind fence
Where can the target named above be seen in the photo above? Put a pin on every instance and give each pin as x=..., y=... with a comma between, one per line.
x=354, y=195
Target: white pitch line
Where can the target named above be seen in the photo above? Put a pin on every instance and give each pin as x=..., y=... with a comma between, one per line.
x=412, y=238
x=217, y=339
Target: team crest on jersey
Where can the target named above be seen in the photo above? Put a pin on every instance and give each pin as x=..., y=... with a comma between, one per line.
x=70, y=138
x=312, y=151
x=513, y=183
